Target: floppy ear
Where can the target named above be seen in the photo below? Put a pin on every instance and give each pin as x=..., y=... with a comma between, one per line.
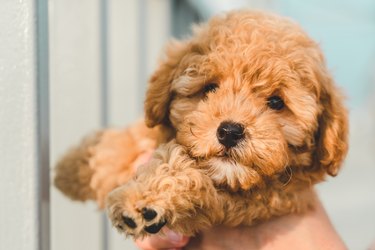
x=332, y=135
x=159, y=94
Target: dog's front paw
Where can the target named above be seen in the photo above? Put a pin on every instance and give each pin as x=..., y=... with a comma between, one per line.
x=132, y=214
x=147, y=222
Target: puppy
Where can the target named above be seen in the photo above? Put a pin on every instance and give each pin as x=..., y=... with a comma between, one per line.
x=256, y=121
x=247, y=119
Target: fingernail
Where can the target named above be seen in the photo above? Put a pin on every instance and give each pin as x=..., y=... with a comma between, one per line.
x=174, y=237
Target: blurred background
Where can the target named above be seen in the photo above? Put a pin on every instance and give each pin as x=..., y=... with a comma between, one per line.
x=101, y=53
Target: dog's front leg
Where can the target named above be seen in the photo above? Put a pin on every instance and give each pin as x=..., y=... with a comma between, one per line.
x=169, y=190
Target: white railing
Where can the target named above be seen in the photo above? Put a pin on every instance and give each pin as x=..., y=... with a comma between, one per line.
x=101, y=56
x=24, y=142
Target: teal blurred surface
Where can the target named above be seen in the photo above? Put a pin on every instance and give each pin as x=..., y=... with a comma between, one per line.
x=346, y=33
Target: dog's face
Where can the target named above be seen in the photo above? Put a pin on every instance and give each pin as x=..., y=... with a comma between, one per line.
x=250, y=96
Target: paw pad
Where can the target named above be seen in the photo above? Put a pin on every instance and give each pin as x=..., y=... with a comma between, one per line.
x=148, y=214
x=129, y=222
x=155, y=228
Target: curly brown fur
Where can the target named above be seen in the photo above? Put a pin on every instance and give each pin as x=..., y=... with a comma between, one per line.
x=105, y=161
x=230, y=72
x=227, y=73
x=73, y=174
x=182, y=196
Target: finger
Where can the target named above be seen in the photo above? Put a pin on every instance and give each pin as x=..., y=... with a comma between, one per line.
x=170, y=240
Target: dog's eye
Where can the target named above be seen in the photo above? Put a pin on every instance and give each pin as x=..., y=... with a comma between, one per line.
x=275, y=102
x=211, y=87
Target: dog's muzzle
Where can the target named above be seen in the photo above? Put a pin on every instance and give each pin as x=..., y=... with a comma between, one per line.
x=230, y=133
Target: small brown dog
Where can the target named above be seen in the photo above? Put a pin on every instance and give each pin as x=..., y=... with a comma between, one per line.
x=245, y=118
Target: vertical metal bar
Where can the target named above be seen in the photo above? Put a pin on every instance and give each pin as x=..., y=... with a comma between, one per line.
x=104, y=98
x=142, y=53
x=24, y=125
x=42, y=92
x=75, y=73
x=183, y=16
x=104, y=90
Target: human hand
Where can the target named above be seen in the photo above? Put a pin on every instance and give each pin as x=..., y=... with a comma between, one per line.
x=311, y=230
x=169, y=241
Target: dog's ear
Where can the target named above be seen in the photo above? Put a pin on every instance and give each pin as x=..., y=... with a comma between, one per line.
x=158, y=95
x=332, y=135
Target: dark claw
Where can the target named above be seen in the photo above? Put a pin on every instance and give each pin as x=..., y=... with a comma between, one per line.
x=155, y=228
x=148, y=214
x=129, y=222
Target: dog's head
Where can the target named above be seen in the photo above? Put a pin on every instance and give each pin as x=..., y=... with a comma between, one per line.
x=249, y=95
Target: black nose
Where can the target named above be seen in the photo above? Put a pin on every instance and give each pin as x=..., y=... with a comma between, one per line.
x=230, y=133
